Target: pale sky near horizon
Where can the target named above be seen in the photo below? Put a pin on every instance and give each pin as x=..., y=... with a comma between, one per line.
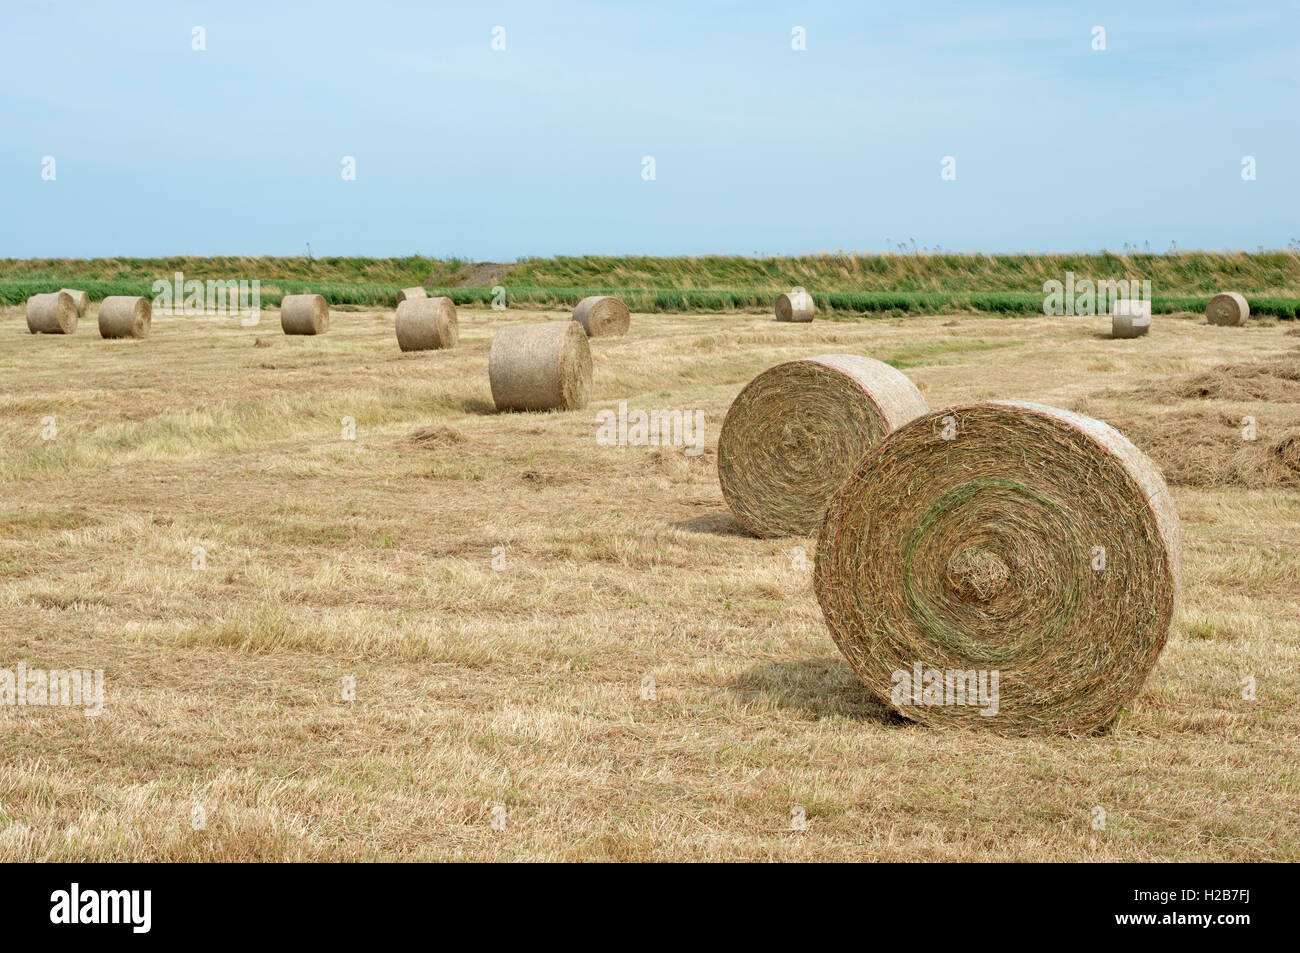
x=537, y=149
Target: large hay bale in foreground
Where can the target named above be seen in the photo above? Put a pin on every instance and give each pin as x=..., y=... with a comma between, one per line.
x=53, y=313
x=80, y=299
x=602, y=316
x=1228, y=309
x=304, y=314
x=796, y=305
x=1130, y=318
x=794, y=433
x=540, y=367
x=406, y=294
x=125, y=316
x=427, y=324
x=1036, y=549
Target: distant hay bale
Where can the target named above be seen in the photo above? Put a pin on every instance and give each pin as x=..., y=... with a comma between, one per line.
x=427, y=324
x=80, y=299
x=1130, y=318
x=602, y=316
x=794, y=433
x=304, y=314
x=1228, y=309
x=125, y=316
x=540, y=367
x=406, y=294
x=53, y=313
x=1036, y=546
x=795, y=305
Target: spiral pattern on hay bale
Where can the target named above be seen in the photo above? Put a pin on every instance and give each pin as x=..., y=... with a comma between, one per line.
x=427, y=324
x=125, y=316
x=796, y=305
x=304, y=314
x=53, y=313
x=540, y=367
x=1035, y=543
x=1130, y=318
x=602, y=316
x=407, y=294
x=795, y=432
x=1228, y=309
x=80, y=299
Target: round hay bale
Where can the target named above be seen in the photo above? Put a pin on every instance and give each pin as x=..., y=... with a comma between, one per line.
x=53, y=313
x=427, y=324
x=602, y=316
x=1130, y=318
x=796, y=305
x=1228, y=309
x=540, y=367
x=1036, y=549
x=795, y=432
x=80, y=299
x=406, y=294
x=125, y=316
x=304, y=314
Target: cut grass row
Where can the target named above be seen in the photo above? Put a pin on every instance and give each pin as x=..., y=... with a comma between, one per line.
x=845, y=303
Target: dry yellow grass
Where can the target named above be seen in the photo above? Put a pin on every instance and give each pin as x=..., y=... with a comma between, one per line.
x=521, y=687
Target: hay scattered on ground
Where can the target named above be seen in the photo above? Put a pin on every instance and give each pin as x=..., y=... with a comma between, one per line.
x=978, y=554
x=795, y=432
x=602, y=316
x=1275, y=379
x=125, y=316
x=427, y=324
x=540, y=367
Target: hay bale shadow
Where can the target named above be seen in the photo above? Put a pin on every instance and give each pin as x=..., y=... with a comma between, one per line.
x=818, y=688
x=716, y=524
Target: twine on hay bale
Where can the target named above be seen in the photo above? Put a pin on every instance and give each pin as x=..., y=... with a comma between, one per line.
x=794, y=433
x=125, y=316
x=540, y=367
x=304, y=314
x=795, y=305
x=427, y=324
x=1036, y=543
x=1228, y=309
x=1130, y=318
x=80, y=299
x=53, y=313
x=406, y=294
x=602, y=315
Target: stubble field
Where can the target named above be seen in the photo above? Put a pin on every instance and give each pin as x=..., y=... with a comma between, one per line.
x=498, y=588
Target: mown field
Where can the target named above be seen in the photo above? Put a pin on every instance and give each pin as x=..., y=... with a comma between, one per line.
x=499, y=587
x=843, y=284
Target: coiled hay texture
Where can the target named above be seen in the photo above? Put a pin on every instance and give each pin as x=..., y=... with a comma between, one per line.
x=53, y=313
x=1130, y=318
x=125, y=316
x=540, y=367
x=304, y=314
x=602, y=316
x=407, y=294
x=427, y=324
x=796, y=305
x=795, y=432
x=1036, y=544
x=80, y=299
x=1229, y=309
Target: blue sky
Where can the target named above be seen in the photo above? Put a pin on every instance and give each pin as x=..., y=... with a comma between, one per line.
x=537, y=149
